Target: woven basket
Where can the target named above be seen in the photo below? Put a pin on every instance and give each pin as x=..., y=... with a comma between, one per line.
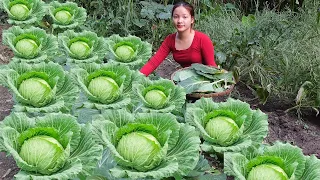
x=206, y=95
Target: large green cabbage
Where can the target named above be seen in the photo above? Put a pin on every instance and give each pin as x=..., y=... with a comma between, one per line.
x=106, y=86
x=27, y=47
x=158, y=96
x=281, y=161
x=227, y=126
x=44, y=153
x=19, y=11
x=43, y=87
x=53, y=146
x=63, y=16
x=267, y=171
x=80, y=49
x=223, y=129
x=66, y=15
x=125, y=52
x=83, y=47
x=36, y=90
x=130, y=51
x=24, y=12
x=30, y=44
x=147, y=145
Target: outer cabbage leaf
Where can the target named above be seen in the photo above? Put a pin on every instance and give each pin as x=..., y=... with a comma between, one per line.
x=47, y=44
x=123, y=77
x=78, y=143
x=175, y=95
x=37, y=9
x=200, y=171
x=203, y=167
x=294, y=160
x=98, y=47
x=79, y=14
x=142, y=50
x=2, y=148
x=312, y=168
x=182, y=143
x=63, y=87
x=253, y=124
x=287, y=157
x=136, y=76
x=186, y=150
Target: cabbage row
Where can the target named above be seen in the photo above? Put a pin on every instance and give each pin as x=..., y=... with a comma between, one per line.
x=62, y=40
x=35, y=45
x=83, y=111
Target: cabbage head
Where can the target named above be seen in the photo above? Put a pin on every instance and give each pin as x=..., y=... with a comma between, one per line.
x=80, y=49
x=130, y=51
x=125, y=52
x=31, y=44
x=223, y=129
x=155, y=98
x=280, y=161
x=267, y=171
x=27, y=47
x=67, y=15
x=146, y=145
x=19, y=11
x=158, y=96
x=83, y=47
x=36, y=90
x=227, y=126
x=43, y=87
x=105, y=86
x=63, y=16
x=142, y=153
x=23, y=12
x=44, y=150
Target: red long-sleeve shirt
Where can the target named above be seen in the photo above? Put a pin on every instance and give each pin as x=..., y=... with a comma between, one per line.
x=200, y=51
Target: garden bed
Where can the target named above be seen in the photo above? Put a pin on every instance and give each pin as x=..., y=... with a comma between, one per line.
x=282, y=126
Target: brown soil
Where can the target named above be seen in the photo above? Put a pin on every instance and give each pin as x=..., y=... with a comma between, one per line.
x=8, y=167
x=282, y=126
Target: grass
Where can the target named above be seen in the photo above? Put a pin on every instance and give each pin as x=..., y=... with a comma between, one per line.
x=278, y=53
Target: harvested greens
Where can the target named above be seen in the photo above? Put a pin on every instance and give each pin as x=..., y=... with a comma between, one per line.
x=199, y=78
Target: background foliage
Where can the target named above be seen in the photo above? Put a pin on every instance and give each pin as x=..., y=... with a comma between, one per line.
x=276, y=53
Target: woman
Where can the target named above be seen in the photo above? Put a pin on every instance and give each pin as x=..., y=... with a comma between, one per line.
x=187, y=45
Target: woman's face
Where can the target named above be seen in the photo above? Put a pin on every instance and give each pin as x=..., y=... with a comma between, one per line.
x=182, y=19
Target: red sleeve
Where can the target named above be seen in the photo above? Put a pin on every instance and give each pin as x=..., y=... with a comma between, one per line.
x=207, y=51
x=157, y=59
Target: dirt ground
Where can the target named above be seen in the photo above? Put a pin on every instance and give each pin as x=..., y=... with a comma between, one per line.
x=8, y=167
x=282, y=126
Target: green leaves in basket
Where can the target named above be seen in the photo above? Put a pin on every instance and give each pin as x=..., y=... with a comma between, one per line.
x=192, y=83
x=200, y=78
